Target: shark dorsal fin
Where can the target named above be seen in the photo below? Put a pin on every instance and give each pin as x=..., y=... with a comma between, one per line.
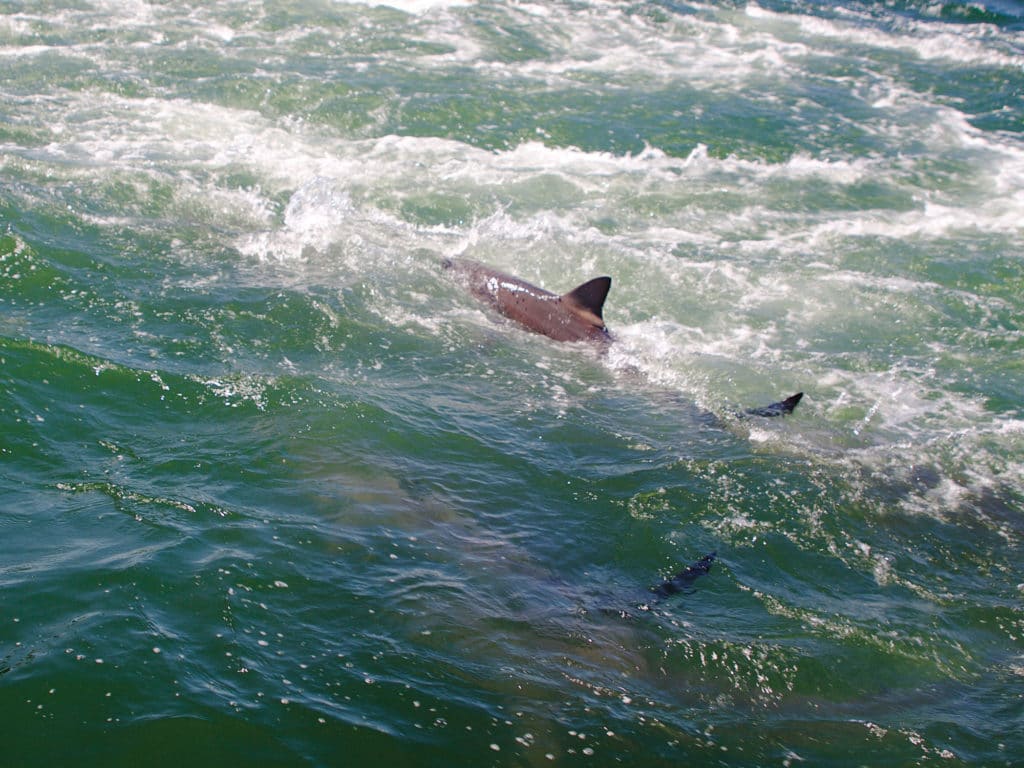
x=590, y=296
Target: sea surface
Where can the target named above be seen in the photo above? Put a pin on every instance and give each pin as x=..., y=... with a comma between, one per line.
x=276, y=491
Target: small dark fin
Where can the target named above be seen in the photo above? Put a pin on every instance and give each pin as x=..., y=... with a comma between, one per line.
x=591, y=295
x=780, y=408
x=685, y=577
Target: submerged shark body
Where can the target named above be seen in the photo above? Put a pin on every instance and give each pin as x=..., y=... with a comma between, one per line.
x=685, y=577
x=673, y=586
x=572, y=316
x=781, y=408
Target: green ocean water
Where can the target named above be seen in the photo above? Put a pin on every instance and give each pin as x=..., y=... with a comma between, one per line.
x=275, y=490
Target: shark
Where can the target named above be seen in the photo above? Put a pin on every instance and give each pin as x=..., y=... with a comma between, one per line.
x=574, y=316
x=685, y=577
x=680, y=583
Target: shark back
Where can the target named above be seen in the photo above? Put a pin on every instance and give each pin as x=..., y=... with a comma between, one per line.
x=574, y=316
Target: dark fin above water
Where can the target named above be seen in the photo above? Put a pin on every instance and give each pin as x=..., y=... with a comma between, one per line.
x=685, y=577
x=591, y=295
x=780, y=408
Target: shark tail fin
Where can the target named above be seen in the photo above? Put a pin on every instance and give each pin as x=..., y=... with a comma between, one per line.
x=780, y=408
x=590, y=296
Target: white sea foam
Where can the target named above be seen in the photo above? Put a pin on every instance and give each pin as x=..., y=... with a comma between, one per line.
x=13, y=26
x=415, y=6
x=980, y=44
x=626, y=49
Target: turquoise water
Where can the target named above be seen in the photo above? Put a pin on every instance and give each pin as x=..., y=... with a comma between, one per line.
x=276, y=491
